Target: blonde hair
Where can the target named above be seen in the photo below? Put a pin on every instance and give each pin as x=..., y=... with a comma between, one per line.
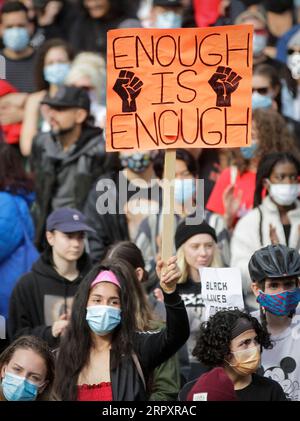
x=184, y=267
x=92, y=66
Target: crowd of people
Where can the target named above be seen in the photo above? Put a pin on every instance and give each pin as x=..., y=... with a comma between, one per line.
x=91, y=311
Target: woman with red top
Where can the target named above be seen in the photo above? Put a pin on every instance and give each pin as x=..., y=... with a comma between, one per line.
x=103, y=356
x=233, y=193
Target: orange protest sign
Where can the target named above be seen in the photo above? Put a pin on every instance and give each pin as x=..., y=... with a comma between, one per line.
x=179, y=88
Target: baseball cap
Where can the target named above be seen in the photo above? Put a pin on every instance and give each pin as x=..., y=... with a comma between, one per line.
x=67, y=220
x=213, y=386
x=68, y=97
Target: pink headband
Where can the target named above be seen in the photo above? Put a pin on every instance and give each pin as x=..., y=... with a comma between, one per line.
x=106, y=276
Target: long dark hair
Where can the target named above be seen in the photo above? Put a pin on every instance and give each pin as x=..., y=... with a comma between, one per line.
x=40, y=347
x=76, y=344
x=129, y=252
x=265, y=168
x=12, y=174
x=41, y=83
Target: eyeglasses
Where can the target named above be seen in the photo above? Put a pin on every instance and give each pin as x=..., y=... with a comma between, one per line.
x=262, y=91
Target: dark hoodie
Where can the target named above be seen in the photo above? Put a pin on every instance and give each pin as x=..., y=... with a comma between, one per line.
x=64, y=178
x=120, y=15
x=40, y=298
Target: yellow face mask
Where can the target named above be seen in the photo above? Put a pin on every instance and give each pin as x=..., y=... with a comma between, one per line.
x=246, y=361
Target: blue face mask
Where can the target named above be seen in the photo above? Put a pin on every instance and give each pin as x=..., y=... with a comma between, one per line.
x=280, y=304
x=259, y=44
x=103, y=319
x=56, y=73
x=16, y=388
x=261, y=101
x=168, y=20
x=184, y=189
x=249, y=151
x=16, y=39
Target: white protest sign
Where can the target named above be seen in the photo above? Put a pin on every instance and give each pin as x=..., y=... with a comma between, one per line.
x=221, y=289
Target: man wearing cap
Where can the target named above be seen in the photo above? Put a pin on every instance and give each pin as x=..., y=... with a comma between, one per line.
x=41, y=301
x=70, y=158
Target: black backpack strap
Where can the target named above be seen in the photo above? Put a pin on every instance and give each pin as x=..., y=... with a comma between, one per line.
x=139, y=368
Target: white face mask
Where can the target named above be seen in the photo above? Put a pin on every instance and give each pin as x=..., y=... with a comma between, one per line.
x=284, y=194
x=293, y=63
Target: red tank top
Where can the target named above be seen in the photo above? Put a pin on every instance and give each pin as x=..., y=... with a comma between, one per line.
x=95, y=392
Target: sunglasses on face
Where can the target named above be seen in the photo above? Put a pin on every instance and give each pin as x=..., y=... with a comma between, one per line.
x=262, y=91
x=290, y=51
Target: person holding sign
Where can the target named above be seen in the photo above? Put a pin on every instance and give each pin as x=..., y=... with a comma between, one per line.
x=165, y=380
x=275, y=272
x=234, y=340
x=103, y=356
x=196, y=247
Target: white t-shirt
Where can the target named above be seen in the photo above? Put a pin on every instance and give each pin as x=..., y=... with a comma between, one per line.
x=282, y=362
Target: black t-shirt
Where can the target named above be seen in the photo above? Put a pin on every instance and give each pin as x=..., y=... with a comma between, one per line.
x=261, y=389
x=20, y=73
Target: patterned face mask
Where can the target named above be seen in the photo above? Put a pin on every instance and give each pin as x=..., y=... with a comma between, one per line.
x=280, y=304
x=138, y=162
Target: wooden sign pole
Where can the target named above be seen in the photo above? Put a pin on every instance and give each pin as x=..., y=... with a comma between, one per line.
x=168, y=205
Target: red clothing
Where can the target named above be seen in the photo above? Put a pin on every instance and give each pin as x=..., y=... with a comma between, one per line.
x=95, y=392
x=11, y=131
x=244, y=182
x=206, y=12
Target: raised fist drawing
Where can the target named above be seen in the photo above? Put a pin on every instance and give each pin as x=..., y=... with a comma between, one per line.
x=128, y=86
x=224, y=82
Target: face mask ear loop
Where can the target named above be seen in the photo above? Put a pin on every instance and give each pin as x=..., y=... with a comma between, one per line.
x=230, y=365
